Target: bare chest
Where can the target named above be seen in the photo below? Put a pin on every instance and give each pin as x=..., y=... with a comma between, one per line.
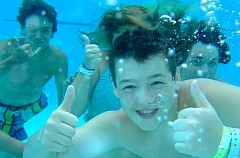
x=151, y=148
x=154, y=145
x=32, y=74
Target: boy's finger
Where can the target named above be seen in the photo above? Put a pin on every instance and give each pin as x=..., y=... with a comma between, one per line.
x=36, y=52
x=68, y=99
x=198, y=96
x=86, y=39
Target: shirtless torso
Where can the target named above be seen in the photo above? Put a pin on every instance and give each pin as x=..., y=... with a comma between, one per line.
x=24, y=83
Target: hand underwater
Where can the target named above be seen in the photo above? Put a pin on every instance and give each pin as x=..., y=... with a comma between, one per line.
x=93, y=55
x=60, y=128
x=198, y=130
x=24, y=53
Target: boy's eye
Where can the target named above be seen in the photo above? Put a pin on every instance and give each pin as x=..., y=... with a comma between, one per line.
x=157, y=83
x=32, y=30
x=129, y=88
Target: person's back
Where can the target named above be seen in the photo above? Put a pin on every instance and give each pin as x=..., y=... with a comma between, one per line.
x=102, y=98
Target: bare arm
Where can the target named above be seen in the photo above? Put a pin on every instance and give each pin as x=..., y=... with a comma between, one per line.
x=83, y=83
x=224, y=98
x=61, y=75
x=11, y=145
x=6, y=66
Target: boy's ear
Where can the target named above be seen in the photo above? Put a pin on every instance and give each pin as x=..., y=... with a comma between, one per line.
x=115, y=90
x=178, y=79
x=178, y=75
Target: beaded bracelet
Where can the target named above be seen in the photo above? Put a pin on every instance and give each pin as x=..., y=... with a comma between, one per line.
x=85, y=70
x=235, y=144
x=85, y=67
x=224, y=144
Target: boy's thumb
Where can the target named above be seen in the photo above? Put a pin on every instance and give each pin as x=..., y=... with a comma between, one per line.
x=68, y=99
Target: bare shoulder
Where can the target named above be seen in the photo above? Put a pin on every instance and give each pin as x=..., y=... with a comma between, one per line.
x=9, y=43
x=96, y=137
x=107, y=121
x=6, y=41
x=57, y=52
x=57, y=57
x=6, y=48
x=6, y=44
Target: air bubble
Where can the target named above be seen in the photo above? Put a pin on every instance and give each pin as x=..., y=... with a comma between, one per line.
x=159, y=119
x=43, y=13
x=184, y=65
x=112, y=2
x=200, y=73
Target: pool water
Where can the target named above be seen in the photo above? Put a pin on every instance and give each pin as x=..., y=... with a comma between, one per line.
x=78, y=14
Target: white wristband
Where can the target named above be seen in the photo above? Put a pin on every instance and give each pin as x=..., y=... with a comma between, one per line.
x=86, y=71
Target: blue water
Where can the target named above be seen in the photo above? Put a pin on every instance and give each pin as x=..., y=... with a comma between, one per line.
x=79, y=14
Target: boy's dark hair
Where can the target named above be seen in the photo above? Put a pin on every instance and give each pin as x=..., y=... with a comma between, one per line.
x=37, y=7
x=141, y=44
x=208, y=32
x=176, y=26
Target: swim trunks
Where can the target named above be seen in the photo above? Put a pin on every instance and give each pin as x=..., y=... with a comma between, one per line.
x=12, y=118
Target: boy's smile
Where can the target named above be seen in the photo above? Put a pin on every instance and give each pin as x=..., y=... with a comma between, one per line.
x=139, y=86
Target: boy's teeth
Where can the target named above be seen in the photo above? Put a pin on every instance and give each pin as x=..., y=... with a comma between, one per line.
x=146, y=112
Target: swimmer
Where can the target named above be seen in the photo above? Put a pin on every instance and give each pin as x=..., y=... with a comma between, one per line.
x=25, y=68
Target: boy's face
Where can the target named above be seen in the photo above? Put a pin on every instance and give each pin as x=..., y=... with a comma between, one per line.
x=146, y=90
x=38, y=31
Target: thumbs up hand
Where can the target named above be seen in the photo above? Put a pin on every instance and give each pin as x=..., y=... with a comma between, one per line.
x=93, y=55
x=57, y=133
x=198, y=130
